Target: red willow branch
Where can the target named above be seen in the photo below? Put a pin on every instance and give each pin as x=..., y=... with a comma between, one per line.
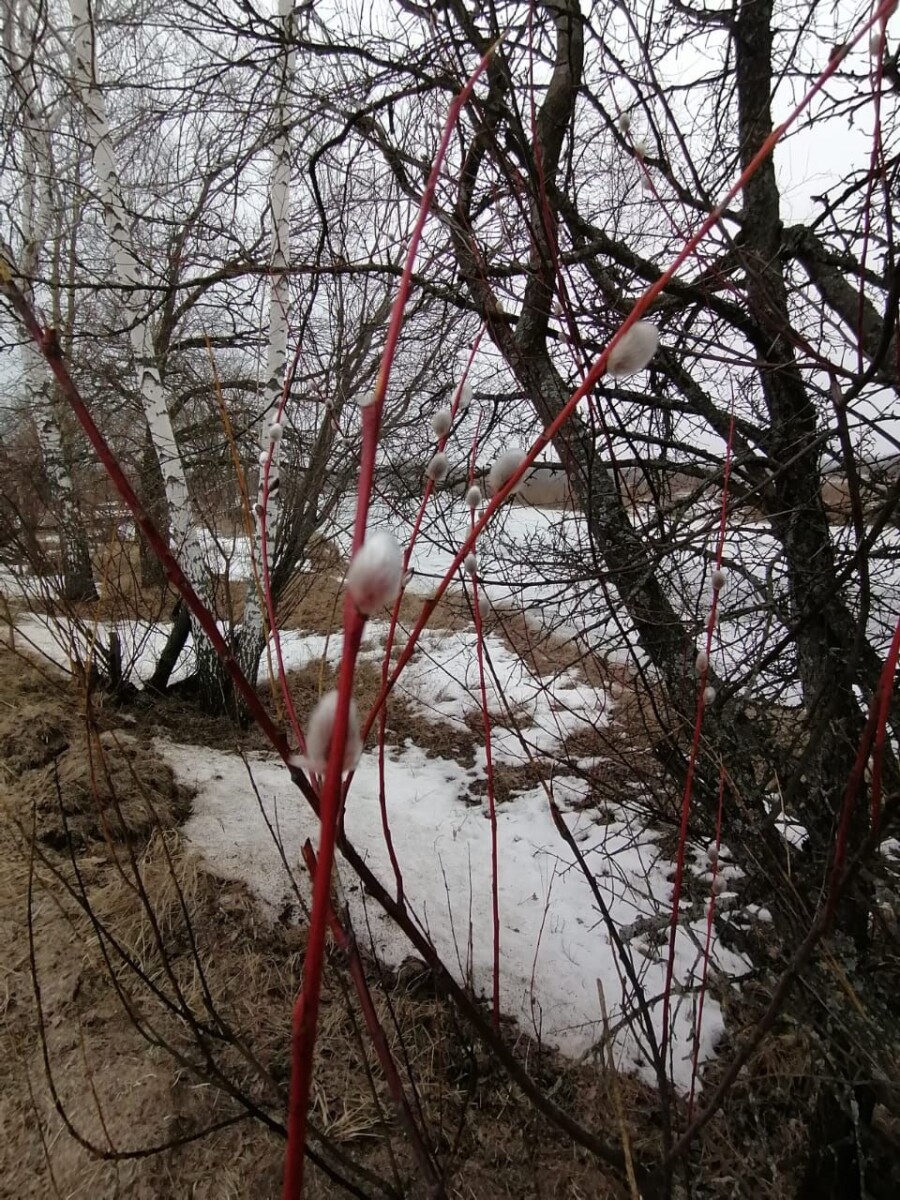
x=347, y=944
x=354, y=623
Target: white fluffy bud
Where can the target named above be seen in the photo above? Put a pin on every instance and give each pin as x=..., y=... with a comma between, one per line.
x=470, y=562
x=504, y=468
x=616, y=690
x=624, y=122
x=640, y=149
x=465, y=396
x=366, y=399
x=701, y=662
x=709, y=695
x=718, y=885
x=276, y=430
x=263, y=457
x=319, y=732
x=484, y=604
x=375, y=574
x=718, y=578
x=438, y=468
x=712, y=853
x=634, y=351
x=473, y=497
x=441, y=422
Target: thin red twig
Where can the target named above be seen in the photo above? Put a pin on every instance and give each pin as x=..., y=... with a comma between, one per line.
x=692, y=761
x=710, y=914
x=330, y=796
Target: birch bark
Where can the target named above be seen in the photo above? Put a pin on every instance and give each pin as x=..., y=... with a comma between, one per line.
x=130, y=276
x=134, y=292
x=252, y=637
x=77, y=581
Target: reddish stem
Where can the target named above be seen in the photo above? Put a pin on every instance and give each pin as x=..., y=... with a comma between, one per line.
x=330, y=797
x=392, y=629
x=347, y=943
x=692, y=761
x=710, y=914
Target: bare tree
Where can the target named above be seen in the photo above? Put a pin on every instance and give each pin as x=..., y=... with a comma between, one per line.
x=756, y=610
x=582, y=166
x=37, y=209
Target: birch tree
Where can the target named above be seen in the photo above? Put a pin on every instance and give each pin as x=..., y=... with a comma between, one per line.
x=130, y=276
x=252, y=636
x=77, y=583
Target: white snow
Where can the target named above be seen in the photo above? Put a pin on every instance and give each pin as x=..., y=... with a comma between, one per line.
x=442, y=681
x=66, y=642
x=554, y=945
x=528, y=557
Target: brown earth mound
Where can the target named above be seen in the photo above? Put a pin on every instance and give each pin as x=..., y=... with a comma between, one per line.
x=72, y=782
x=33, y=734
x=109, y=786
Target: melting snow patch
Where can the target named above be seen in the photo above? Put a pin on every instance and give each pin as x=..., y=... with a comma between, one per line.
x=554, y=944
x=442, y=681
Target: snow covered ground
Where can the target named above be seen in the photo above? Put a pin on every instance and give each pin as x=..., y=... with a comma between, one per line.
x=441, y=681
x=539, y=562
x=554, y=945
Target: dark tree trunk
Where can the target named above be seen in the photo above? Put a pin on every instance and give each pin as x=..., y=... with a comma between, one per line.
x=176, y=642
x=74, y=552
x=835, y=1168
x=77, y=573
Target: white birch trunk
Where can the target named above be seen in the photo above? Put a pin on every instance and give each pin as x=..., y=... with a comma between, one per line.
x=268, y=511
x=130, y=275
x=184, y=541
x=75, y=562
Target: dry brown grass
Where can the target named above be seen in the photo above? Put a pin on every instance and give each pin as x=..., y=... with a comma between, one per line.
x=105, y=786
